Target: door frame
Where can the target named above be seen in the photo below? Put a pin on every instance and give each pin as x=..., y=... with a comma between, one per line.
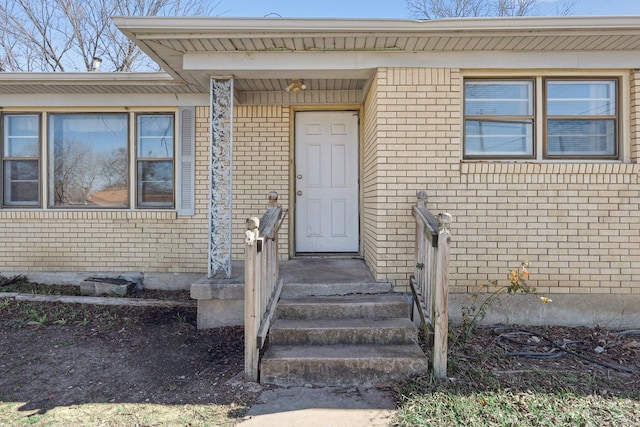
x=292, y=170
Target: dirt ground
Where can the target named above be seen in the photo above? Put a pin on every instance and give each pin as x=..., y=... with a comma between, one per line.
x=612, y=357
x=77, y=364
x=72, y=364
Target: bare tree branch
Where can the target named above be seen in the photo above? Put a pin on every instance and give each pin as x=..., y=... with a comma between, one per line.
x=65, y=35
x=516, y=7
x=565, y=8
x=88, y=25
x=437, y=9
x=33, y=26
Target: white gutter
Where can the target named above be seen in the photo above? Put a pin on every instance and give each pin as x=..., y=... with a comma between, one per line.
x=169, y=27
x=89, y=78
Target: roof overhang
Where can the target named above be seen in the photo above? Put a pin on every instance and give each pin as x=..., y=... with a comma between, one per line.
x=92, y=83
x=267, y=52
x=341, y=55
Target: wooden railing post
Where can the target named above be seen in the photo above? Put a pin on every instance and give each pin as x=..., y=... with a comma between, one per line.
x=430, y=281
x=251, y=298
x=273, y=199
x=441, y=297
x=422, y=248
x=262, y=281
x=422, y=199
x=275, y=267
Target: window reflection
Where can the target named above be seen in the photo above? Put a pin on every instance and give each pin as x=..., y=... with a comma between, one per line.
x=89, y=160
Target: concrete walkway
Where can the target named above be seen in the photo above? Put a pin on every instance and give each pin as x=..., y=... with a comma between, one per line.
x=320, y=407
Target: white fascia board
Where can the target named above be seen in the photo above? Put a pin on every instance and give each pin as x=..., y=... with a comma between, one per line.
x=531, y=60
x=75, y=101
x=360, y=64
x=260, y=64
x=90, y=78
x=170, y=27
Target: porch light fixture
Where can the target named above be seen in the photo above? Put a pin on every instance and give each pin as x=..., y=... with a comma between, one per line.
x=296, y=86
x=95, y=64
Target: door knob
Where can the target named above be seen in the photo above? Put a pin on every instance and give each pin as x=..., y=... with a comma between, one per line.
x=299, y=176
x=299, y=193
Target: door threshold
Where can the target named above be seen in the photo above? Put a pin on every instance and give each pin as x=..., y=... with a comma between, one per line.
x=345, y=255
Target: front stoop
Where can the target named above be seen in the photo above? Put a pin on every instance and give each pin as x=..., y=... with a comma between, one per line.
x=349, y=339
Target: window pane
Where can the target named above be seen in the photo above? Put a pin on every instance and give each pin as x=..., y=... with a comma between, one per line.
x=89, y=160
x=155, y=136
x=21, y=125
x=581, y=98
x=21, y=147
x=21, y=136
x=581, y=138
x=21, y=182
x=498, y=138
x=498, y=98
x=155, y=183
x=155, y=148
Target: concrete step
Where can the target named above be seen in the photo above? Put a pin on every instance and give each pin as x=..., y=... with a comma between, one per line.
x=343, y=331
x=343, y=307
x=293, y=290
x=341, y=365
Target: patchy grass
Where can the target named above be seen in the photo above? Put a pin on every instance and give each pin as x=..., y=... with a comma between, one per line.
x=76, y=364
x=22, y=285
x=452, y=402
x=487, y=388
x=120, y=414
x=19, y=314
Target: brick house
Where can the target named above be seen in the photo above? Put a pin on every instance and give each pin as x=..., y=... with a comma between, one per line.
x=524, y=129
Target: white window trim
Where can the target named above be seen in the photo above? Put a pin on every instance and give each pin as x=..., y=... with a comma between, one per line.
x=174, y=158
x=3, y=161
x=131, y=112
x=44, y=166
x=624, y=105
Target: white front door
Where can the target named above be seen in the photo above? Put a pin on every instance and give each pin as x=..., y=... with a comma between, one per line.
x=326, y=181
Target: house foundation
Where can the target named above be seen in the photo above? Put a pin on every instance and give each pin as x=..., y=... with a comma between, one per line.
x=607, y=311
x=220, y=300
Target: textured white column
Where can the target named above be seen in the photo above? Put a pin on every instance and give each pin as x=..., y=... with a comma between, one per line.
x=221, y=176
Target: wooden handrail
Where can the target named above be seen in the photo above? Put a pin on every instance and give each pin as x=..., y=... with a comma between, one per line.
x=262, y=281
x=270, y=219
x=430, y=281
x=425, y=216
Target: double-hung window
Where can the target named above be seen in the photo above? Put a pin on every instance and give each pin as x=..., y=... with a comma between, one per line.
x=499, y=118
x=155, y=160
x=541, y=118
x=20, y=160
x=581, y=118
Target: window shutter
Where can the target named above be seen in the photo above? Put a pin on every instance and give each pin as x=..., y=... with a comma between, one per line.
x=186, y=161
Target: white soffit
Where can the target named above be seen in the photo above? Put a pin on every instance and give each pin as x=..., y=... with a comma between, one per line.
x=193, y=49
x=339, y=55
x=182, y=35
